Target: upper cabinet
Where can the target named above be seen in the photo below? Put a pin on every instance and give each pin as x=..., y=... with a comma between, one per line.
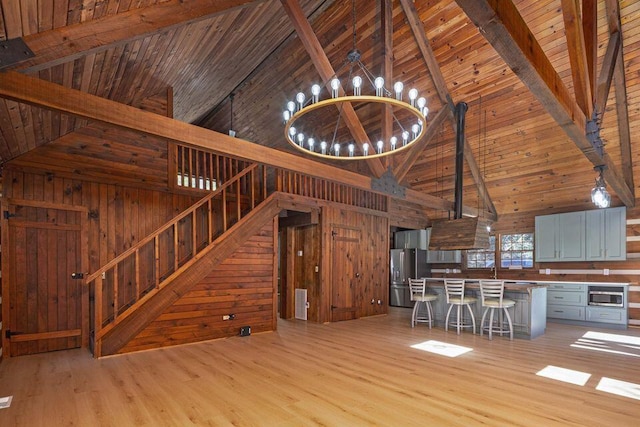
x=560, y=237
x=596, y=235
x=419, y=239
x=606, y=234
x=411, y=239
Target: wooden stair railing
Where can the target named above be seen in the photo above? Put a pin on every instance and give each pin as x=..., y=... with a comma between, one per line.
x=127, y=281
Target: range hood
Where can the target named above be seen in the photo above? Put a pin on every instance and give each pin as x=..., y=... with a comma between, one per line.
x=460, y=233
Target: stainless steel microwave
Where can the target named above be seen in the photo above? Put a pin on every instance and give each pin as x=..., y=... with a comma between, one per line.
x=608, y=297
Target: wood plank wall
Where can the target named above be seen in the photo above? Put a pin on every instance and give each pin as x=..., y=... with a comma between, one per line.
x=243, y=285
x=373, y=284
x=118, y=216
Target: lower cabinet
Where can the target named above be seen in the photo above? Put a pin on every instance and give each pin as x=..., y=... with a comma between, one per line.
x=606, y=315
x=569, y=301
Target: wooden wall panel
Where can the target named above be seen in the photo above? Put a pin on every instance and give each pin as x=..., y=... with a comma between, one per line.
x=407, y=215
x=242, y=285
x=118, y=216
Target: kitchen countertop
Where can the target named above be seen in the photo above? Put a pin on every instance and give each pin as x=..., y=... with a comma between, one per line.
x=528, y=284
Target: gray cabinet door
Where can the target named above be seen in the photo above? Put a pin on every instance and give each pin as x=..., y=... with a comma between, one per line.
x=546, y=238
x=615, y=224
x=606, y=234
x=571, y=232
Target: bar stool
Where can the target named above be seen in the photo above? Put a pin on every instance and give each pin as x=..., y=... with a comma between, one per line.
x=419, y=294
x=492, y=292
x=454, y=289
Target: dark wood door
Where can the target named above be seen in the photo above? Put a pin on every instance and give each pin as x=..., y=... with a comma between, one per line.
x=345, y=283
x=48, y=308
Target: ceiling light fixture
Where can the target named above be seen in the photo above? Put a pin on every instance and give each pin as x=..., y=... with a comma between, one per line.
x=304, y=126
x=599, y=194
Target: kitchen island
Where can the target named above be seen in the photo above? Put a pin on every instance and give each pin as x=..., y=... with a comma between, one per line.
x=529, y=315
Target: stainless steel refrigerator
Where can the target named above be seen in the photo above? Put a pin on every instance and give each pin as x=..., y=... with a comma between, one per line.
x=405, y=264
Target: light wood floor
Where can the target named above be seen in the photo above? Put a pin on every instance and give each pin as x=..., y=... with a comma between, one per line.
x=360, y=372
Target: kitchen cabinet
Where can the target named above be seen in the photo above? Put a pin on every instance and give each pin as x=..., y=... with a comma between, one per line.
x=411, y=239
x=596, y=235
x=606, y=234
x=444, y=257
x=560, y=237
x=567, y=301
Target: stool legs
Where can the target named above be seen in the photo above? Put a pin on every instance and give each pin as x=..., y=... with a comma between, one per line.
x=416, y=309
x=490, y=326
x=459, y=318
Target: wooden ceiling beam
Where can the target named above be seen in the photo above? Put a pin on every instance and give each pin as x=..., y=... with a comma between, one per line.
x=606, y=75
x=577, y=48
x=326, y=71
x=68, y=43
x=441, y=86
x=590, y=31
x=620, y=84
x=504, y=28
x=25, y=89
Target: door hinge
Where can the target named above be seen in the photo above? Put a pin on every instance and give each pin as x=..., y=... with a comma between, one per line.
x=77, y=276
x=9, y=333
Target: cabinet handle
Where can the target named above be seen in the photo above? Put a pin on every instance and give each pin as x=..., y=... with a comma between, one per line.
x=558, y=297
x=558, y=311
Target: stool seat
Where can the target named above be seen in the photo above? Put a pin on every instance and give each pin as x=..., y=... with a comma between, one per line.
x=492, y=293
x=454, y=289
x=420, y=296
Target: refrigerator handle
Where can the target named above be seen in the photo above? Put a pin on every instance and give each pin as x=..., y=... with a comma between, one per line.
x=402, y=264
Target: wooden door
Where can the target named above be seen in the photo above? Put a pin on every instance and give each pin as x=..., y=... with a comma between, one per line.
x=47, y=307
x=346, y=267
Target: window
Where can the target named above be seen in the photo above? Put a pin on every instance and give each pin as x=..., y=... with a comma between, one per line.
x=516, y=250
x=483, y=258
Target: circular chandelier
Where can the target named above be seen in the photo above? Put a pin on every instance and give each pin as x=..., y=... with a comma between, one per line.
x=308, y=124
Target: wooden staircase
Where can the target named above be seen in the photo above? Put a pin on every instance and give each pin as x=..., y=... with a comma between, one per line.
x=134, y=288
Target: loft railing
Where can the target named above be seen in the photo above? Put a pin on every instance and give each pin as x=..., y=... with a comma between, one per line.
x=319, y=188
x=142, y=270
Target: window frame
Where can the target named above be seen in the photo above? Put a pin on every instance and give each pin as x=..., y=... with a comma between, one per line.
x=521, y=251
x=485, y=252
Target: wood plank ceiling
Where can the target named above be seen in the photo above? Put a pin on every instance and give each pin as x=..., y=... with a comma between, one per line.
x=201, y=51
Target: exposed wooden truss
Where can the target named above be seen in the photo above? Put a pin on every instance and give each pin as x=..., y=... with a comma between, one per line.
x=67, y=43
x=503, y=26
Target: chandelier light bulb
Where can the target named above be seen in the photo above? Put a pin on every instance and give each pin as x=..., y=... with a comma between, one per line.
x=335, y=85
x=323, y=147
x=291, y=107
x=425, y=112
x=357, y=85
x=393, y=141
x=292, y=132
x=336, y=149
x=365, y=149
x=398, y=87
x=351, y=150
x=286, y=115
x=380, y=147
x=413, y=95
x=315, y=93
x=379, y=84
x=311, y=143
x=300, y=139
x=422, y=102
x=405, y=137
x=415, y=129
x=300, y=100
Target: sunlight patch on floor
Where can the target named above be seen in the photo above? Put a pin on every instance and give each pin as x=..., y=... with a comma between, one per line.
x=609, y=343
x=564, y=375
x=620, y=388
x=442, y=348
